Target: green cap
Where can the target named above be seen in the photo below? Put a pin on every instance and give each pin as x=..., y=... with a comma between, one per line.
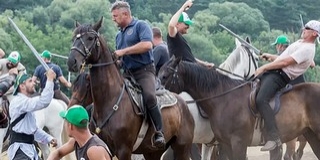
x=46, y=54
x=281, y=40
x=14, y=57
x=185, y=19
x=20, y=79
x=76, y=115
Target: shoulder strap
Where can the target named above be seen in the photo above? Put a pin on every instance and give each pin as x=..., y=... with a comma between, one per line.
x=18, y=120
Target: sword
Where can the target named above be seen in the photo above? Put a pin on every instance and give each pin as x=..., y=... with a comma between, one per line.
x=60, y=56
x=241, y=40
x=34, y=51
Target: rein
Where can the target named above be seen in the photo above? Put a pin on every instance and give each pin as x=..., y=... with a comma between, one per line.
x=175, y=76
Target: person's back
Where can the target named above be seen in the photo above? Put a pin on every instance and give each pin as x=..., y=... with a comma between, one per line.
x=160, y=49
x=40, y=71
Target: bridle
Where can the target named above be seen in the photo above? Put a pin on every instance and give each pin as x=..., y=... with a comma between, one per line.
x=86, y=53
x=251, y=60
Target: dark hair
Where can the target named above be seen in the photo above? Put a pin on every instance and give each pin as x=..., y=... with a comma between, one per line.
x=156, y=32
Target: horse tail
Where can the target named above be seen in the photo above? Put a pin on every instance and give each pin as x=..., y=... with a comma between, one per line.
x=314, y=141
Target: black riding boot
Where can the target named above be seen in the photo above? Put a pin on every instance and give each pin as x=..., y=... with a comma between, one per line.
x=155, y=115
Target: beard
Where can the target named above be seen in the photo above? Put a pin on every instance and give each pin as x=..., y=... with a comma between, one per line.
x=31, y=90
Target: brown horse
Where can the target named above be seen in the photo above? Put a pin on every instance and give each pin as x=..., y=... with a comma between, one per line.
x=225, y=100
x=114, y=112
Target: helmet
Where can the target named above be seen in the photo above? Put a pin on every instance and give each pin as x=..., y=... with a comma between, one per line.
x=14, y=57
x=46, y=54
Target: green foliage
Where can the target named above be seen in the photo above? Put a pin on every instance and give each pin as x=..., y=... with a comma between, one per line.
x=48, y=24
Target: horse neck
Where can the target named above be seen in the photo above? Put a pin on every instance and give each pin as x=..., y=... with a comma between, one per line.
x=105, y=80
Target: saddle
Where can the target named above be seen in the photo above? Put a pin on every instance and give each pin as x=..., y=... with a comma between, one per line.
x=275, y=103
x=164, y=97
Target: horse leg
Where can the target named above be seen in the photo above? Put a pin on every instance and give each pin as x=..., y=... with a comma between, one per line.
x=224, y=151
x=276, y=154
x=124, y=153
x=168, y=154
x=314, y=141
x=291, y=147
x=181, y=151
x=195, y=152
x=154, y=155
x=206, y=152
x=302, y=144
x=238, y=148
x=45, y=151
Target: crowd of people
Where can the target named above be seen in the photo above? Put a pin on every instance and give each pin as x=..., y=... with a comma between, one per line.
x=142, y=51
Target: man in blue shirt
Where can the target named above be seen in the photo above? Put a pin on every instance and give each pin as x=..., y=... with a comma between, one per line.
x=40, y=73
x=160, y=49
x=21, y=110
x=134, y=45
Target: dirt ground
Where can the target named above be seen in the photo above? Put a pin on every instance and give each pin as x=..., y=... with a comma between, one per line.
x=254, y=153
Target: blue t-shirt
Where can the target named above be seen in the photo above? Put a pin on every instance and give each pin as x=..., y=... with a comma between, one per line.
x=161, y=56
x=40, y=73
x=137, y=31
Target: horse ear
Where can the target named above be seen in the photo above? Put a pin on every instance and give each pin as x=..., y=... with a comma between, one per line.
x=176, y=61
x=97, y=26
x=238, y=43
x=248, y=39
x=77, y=24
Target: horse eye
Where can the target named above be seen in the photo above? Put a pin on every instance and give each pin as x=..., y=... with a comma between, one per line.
x=90, y=38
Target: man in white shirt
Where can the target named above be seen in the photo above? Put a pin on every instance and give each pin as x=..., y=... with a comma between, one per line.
x=293, y=62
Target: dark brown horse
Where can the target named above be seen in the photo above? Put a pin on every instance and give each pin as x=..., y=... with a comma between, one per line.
x=225, y=100
x=114, y=110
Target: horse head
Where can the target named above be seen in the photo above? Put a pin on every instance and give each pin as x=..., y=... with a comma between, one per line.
x=81, y=91
x=242, y=61
x=168, y=75
x=88, y=46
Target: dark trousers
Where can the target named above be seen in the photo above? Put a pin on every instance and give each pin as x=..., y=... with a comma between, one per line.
x=145, y=77
x=21, y=155
x=60, y=95
x=271, y=82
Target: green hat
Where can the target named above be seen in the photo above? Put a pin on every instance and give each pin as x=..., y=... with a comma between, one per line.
x=76, y=115
x=281, y=40
x=14, y=57
x=185, y=19
x=19, y=80
x=46, y=54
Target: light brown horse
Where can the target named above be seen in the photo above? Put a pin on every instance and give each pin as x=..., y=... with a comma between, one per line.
x=114, y=110
x=225, y=100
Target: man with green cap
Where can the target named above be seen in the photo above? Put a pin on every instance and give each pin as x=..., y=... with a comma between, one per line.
x=85, y=145
x=24, y=130
x=281, y=43
x=177, y=44
x=12, y=61
x=39, y=74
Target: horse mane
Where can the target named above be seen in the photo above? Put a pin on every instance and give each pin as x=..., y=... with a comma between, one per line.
x=80, y=83
x=206, y=79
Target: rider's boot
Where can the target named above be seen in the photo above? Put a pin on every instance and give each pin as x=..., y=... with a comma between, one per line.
x=155, y=115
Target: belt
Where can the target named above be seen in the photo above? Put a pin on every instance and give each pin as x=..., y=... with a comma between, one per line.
x=20, y=138
x=283, y=74
x=140, y=68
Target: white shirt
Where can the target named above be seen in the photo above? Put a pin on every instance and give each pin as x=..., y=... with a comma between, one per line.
x=303, y=53
x=21, y=104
